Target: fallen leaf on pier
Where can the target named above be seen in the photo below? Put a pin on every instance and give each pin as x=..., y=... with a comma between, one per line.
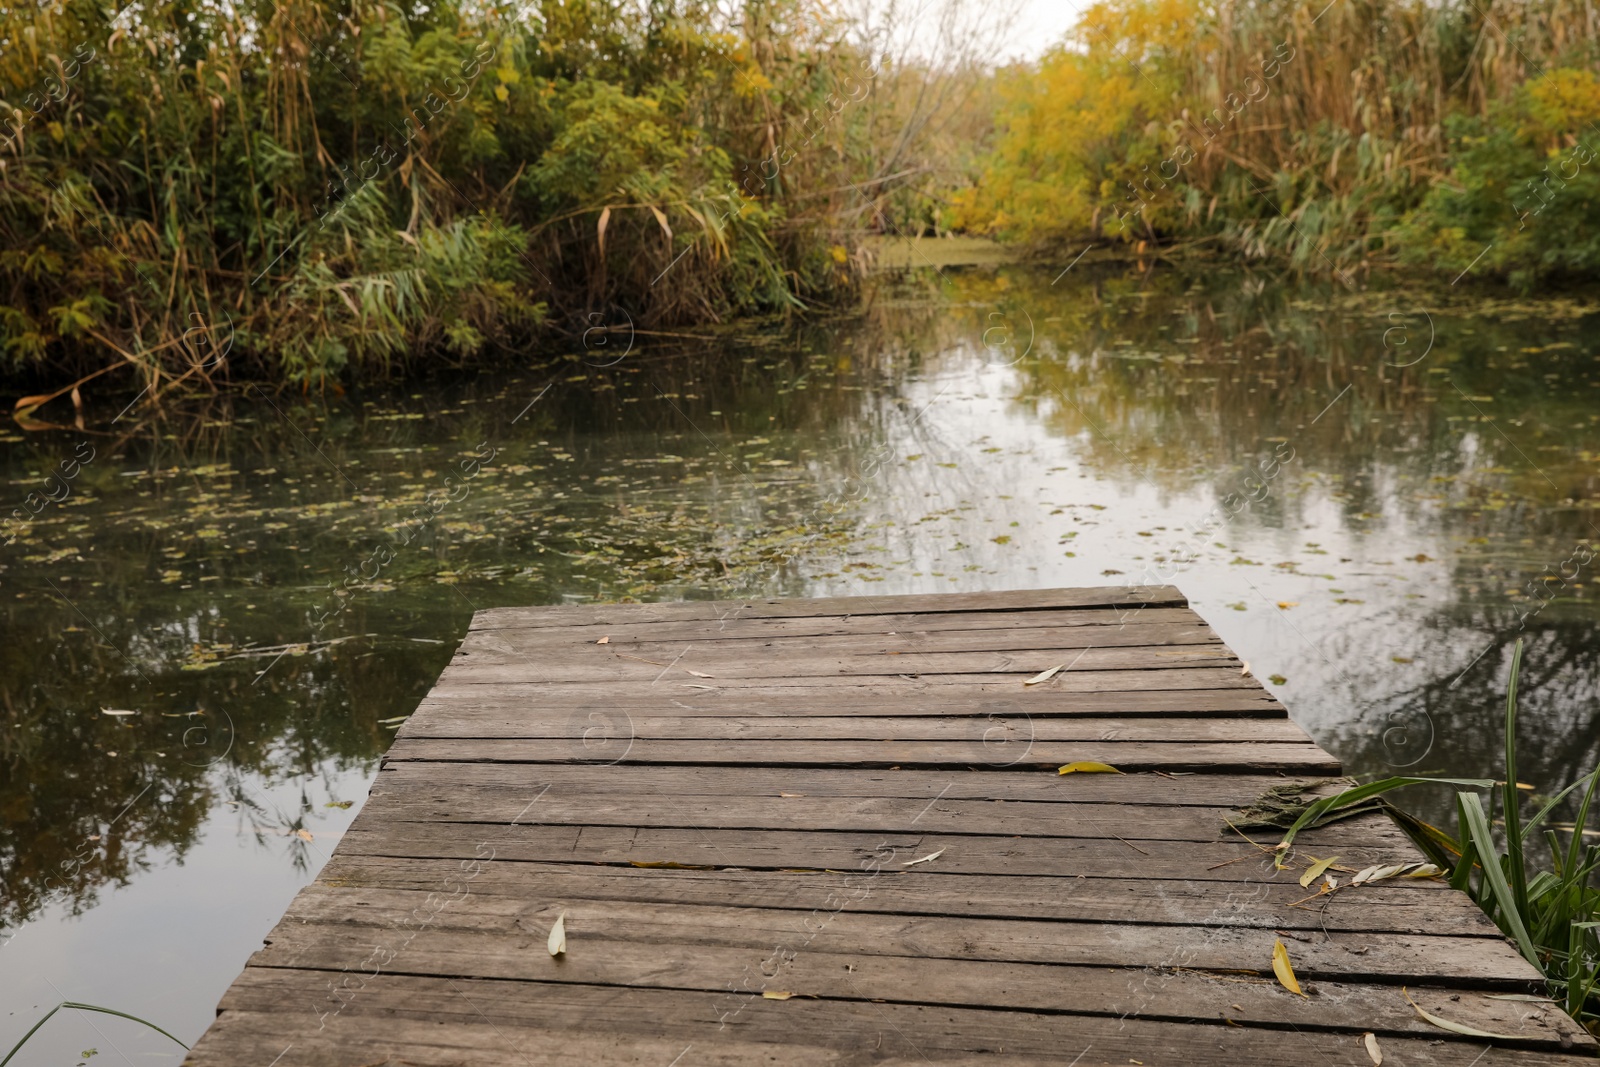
x=672, y=865
x=691, y=685
x=773, y=994
x=1315, y=871
x=604, y=640
x=700, y=674
x=1373, y=1051
x=558, y=936
x=1045, y=675
x=1380, y=872
x=1446, y=1024
x=925, y=859
x=304, y=835
x=1087, y=766
x=1284, y=970
x=1245, y=669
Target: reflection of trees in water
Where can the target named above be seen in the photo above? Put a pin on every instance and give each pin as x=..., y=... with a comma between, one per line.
x=1459, y=714
x=89, y=800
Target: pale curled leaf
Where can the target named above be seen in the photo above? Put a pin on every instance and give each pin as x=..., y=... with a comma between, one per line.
x=1044, y=675
x=1284, y=969
x=661, y=218
x=699, y=674
x=1316, y=869
x=1446, y=1024
x=1379, y=872
x=557, y=943
x=1373, y=1051
x=1087, y=766
x=117, y=711
x=604, y=640
x=773, y=994
x=924, y=859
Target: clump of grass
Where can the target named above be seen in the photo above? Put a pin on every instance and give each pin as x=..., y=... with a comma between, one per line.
x=1551, y=911
x=82, y=1007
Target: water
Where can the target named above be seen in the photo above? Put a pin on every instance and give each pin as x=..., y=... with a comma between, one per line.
x=1363, y=534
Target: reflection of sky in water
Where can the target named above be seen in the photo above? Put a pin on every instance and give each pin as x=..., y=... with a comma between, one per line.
x=166, y=945
x=1394, y=533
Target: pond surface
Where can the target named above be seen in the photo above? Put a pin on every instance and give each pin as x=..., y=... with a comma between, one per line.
x=269, y=584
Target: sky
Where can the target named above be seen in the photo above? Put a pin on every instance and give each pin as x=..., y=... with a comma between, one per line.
x=1040, y=25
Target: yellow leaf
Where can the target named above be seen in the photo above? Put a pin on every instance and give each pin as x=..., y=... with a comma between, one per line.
x=1044, y=675
x=1283, y=969
x=500, y=93
x=671, y=865
x=661, y=218
x=1285, y=605
x=773, y=994
x=508, y=75
x=1446, y=1024
x=1373, y=1051
x=1088, y=767
x=557, y=944
x=1314, y=871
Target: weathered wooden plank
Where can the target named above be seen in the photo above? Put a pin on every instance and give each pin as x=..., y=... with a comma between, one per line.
x=1036, y=701
x=546, y=643
x=599, y=663
x=354, y=1040
x=890, y=1034
x=714, y=611
x=480, y=933
x=904, y=687
x=1205, y=790
x=443, y=802
x=1225, y=757
x=741, y=628
x=992, y=729
x=1177, y=992
x=1394, y=907
x=1062, y=857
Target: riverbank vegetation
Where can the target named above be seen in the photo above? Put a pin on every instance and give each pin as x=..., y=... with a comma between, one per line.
x=304, y=189
x=1331, y=138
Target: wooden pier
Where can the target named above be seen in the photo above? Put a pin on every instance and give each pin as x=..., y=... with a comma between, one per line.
x=832, y=832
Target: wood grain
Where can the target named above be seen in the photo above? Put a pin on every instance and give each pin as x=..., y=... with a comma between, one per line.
x=853, y=802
